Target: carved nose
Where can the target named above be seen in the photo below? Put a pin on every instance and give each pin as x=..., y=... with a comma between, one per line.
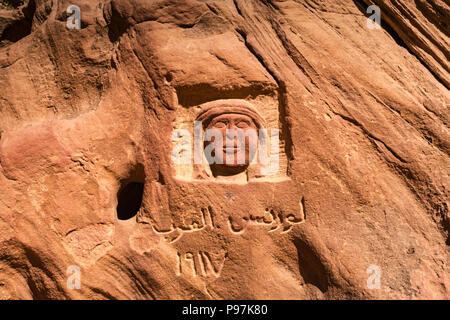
x=228, y=133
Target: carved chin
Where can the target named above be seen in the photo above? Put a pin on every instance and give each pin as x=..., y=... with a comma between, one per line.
x=235, y=165
x=234, y=153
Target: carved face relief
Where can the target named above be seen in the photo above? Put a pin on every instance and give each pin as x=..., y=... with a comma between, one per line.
x=231, y=125
x=228, y=141
x=231, y=131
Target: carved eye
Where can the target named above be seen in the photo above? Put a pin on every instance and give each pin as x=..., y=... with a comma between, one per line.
x=243, y=124
x=220, y=124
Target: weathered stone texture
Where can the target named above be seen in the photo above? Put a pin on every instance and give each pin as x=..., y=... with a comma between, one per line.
x=364, y=148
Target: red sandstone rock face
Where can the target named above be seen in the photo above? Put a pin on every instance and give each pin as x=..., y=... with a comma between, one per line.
x=86, y=122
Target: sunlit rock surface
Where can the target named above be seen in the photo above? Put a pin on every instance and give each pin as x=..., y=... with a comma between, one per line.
x=87, y=178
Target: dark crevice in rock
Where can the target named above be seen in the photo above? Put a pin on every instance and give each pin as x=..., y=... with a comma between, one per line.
x=286, y=125
x=401, y=42
x=212, y=9
x=311, y=268
x=237, y=8
x=129, y=197
x=302, y=201
x=21, y=27
x=129, y=200
x=161, y=178
x=117, y=25
x=441, y=213
x=435, y=13
x=394, y=35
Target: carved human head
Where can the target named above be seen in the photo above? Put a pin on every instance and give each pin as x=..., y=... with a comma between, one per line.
x=235, y=124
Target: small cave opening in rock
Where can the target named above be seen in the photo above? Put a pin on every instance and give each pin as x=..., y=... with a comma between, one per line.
x=129, y=197
x=311, y=267
x=21, y=26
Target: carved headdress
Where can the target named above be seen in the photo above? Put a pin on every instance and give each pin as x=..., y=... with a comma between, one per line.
x=213, y=109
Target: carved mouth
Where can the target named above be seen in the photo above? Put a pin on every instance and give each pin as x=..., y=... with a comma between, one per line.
x=231, y=149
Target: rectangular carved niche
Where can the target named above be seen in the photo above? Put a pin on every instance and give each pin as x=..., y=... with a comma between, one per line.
x=255, y=121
